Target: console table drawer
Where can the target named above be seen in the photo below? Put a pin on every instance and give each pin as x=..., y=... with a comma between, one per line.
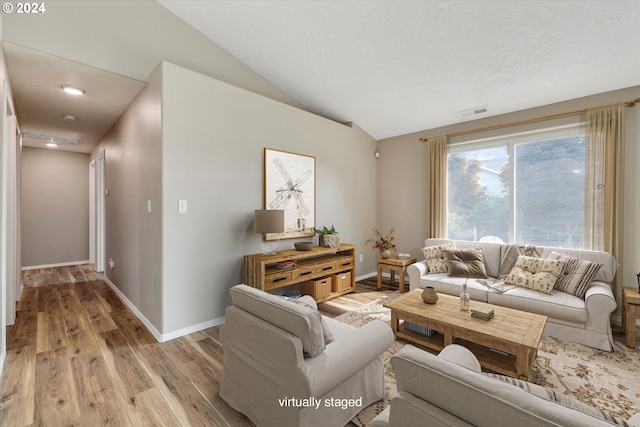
x=327, y=267
x=304, y=272
x=345, y=264
x=276, y=280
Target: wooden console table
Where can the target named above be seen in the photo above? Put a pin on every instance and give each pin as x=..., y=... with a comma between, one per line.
x=260, y=270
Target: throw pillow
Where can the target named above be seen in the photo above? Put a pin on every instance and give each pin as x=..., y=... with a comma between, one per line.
x=577, y=275
x=559, y=398
x=539, y=274
x=435, y=257
x=328, y=335
x=461, y=262
x=511, y=254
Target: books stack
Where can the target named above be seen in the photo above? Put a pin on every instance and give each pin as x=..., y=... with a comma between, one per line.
x=285, y=264
x=482, y=312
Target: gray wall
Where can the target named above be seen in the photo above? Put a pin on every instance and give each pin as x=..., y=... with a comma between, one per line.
x=54, y=207
x=133, y=157
x=403, y=160
x=211, y=153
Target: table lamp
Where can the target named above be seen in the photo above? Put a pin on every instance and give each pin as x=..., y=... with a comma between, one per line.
x=268, y=221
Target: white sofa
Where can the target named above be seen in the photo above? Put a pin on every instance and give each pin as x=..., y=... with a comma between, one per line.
x=450, y=390
x=586, y=321
x=279, y=370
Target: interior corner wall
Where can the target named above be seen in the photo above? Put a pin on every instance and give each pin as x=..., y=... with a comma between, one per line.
x=54, y=207
x=133, y=177
x=402, y=176
x=214, y=136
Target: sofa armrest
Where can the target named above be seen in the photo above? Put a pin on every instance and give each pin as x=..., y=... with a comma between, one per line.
x=416, y=271
x=460, y=355
x=344, y=358
x=600, y=303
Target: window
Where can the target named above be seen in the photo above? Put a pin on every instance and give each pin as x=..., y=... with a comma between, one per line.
x=526, y=188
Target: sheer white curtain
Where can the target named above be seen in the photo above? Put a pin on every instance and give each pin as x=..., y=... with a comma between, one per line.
x=604, y=225
x=437, y=162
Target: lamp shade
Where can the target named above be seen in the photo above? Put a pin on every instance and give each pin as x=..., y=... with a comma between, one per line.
x=268, y=221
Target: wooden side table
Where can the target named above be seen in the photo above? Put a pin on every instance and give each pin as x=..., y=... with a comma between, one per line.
x=394, y=264
x=630, y=303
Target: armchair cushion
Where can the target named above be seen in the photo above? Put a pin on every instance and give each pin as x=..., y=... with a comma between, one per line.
x=297, y=319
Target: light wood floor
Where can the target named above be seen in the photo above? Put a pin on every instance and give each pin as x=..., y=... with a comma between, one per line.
x=77, y=356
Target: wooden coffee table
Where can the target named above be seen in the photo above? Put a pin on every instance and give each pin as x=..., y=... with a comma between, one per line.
x=506, y=344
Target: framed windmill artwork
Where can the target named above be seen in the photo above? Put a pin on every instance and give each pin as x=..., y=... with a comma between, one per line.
x=290, y=184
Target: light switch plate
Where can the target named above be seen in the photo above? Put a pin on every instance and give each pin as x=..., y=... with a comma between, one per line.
x=182, y=206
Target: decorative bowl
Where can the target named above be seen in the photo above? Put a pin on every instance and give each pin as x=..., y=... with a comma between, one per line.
x=303, y=246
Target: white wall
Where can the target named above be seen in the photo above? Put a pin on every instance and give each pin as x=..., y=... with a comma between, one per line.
x=403, y=161
x=55, y=207
x=214, y=135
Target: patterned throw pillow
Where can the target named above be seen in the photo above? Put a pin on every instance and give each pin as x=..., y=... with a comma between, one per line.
x=577, y=275
x=510, y=256
x=435, y=257
x=539, y=274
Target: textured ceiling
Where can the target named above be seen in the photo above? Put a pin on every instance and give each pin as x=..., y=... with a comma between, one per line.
x=396, y=67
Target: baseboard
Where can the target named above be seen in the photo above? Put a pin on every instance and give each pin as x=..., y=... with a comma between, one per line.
x=61, y=264
x=191, y=329
x=156, y=334
x=617, y=319
x=3, y=356
x=366, y=276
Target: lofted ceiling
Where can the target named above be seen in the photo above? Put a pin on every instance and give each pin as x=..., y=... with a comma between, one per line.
x=397, y=67
x=391, y=67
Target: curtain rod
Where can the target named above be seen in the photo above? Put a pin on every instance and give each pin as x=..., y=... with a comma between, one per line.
x=520, y=122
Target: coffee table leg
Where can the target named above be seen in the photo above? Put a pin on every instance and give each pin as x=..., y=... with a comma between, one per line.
x=395, y=326
x=524, y=358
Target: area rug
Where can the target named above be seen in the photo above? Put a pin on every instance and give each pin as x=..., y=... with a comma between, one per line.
x=606, y=380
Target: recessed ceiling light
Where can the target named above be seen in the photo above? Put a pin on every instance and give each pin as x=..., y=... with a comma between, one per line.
x=51, y=144
x=73, y=90
x=69, y=118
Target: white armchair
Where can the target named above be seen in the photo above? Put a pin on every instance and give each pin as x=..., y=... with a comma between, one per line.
x=279, y=371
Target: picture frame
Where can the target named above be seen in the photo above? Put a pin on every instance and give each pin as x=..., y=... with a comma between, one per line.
x=290, y=184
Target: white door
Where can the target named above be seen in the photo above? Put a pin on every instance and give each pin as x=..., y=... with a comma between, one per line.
x=100, y=189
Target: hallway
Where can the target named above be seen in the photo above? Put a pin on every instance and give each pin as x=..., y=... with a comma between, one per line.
x=78, y=356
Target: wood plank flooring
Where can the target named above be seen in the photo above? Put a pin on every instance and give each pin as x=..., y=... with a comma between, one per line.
x=77, y=356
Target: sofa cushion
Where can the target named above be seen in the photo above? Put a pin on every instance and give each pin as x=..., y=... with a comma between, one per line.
x=435, y=257
x=557, y=305
x=560, y=399
x=577, y=274
x=297, y=319
x=465, y=263
x=491, y=252
x=609, y=267
x=539, y=274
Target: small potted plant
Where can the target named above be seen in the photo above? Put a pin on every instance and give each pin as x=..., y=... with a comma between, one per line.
x=328, y=237
x=383, y=243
